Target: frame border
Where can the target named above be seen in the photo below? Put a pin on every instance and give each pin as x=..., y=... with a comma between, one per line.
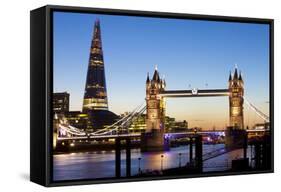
x=49, y=85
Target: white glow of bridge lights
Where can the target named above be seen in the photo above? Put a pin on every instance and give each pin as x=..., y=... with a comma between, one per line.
x=62, y=132
x=195, y=130
x=167, y=136
x=72, y=144
x=194, y=91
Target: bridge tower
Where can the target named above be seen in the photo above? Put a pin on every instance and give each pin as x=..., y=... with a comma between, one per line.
x=236, y=100
x=153, y=138
x=155, y=104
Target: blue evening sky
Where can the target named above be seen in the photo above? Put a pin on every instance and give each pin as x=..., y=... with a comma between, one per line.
x=189, y=53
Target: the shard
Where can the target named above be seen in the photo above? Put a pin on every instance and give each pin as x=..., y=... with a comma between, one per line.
x=95, y=96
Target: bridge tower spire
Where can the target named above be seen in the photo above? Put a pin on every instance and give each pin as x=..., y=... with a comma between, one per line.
x=236, y=100
x=153, y=138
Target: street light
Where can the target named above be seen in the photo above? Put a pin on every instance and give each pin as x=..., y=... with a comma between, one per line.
x=162, y=162
x=195, y=130
x=139, y=165
x=179, y=159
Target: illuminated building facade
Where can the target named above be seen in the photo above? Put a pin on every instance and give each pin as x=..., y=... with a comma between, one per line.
x=95, y=103
x=61, y=102
x=139, y=125
x=79, y=120
x=173, y=126
x=95, y=96
x=236, y=100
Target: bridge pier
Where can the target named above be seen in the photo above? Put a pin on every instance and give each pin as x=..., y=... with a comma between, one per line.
x=236, y=138
x=128, y=157
x=153, y=141
x=197, y=161
x=190, y=150
x=198, y=153
x=257, y=148
x=118, y=156
x=262, y=153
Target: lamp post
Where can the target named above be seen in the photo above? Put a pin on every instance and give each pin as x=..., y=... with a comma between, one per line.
x=162, y=162
x=139, y=165
x=179, y=159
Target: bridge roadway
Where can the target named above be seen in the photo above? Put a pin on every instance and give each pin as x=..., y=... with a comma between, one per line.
x=137, y=135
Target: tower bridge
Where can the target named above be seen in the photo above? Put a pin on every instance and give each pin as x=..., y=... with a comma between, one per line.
x=156, y=105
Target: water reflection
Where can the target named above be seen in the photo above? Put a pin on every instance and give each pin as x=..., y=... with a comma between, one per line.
x=101, y=164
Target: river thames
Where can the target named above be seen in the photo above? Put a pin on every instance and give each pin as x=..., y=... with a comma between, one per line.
x=101, y=164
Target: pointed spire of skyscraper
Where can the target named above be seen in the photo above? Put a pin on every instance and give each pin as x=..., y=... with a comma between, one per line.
x=97, y=21
x=95, y=97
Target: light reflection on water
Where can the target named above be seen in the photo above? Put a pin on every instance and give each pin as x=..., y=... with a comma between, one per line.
x=101, y=164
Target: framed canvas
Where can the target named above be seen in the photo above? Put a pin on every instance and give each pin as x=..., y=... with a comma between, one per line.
x=119, y=95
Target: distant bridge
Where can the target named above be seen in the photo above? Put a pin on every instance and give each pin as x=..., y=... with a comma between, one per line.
x=137, y=135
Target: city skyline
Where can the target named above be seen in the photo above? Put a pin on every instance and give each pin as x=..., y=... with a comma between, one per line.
x=193, y=46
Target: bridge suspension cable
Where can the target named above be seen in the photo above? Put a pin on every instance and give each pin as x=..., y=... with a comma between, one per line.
x=68, y=130
x=119, y=121
x=258, y=112
x=122, y=123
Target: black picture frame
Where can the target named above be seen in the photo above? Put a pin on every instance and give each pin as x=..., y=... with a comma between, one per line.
x=41, y=88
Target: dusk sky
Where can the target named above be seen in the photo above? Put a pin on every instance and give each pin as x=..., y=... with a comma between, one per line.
x=189, y=53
